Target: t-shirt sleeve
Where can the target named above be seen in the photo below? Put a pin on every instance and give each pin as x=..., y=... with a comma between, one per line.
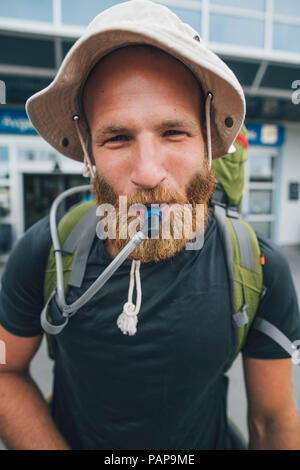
x=279, y=306
x=21, y=295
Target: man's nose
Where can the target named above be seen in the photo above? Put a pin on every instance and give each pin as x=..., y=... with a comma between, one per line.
x=148, y=170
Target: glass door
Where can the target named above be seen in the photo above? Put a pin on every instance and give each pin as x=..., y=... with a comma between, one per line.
x=259, y=201
x=40, y=190
x=41, y=174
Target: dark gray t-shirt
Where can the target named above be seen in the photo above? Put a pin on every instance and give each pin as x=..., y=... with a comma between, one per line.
x=163, y=388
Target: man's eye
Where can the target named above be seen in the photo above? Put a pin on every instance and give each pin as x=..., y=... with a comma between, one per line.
x=117, y=138
x=171, y=132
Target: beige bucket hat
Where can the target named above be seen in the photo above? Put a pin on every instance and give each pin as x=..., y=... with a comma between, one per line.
x=51, y=110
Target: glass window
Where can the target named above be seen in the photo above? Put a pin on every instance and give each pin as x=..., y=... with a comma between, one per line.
x=236, y=30
x=191, y=17
x=288, y=8
x=26, y=155
x=40, y=190
x=45, y=155
x=19, y=88
x=78, y=12
x=66, y=46
x=4, y=162
x=34, y=10
x=260, y=201
x=3, y=154
x=286, y=37
x=6, y=234
x=26, y=51
x=264, y=228
x=262, y=168
x=5, y=203
x=279, y=76
x=258, y=5
x=245, y=71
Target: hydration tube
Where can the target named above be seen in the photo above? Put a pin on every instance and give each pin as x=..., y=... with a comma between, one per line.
x=63, y=311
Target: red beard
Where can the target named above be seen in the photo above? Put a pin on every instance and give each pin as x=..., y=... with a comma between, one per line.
x=197, y=192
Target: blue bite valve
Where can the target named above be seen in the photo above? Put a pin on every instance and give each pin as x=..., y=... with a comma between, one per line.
x=151, y=211
x=151, y=229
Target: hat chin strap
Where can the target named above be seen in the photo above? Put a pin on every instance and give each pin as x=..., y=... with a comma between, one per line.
x=208, y=101
x=88, y=170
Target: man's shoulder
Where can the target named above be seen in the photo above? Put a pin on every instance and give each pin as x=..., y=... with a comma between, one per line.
x=41, y=227
x=37, y=238
x=276, y=262
x=21, y=295
x=33, y=247
x=279, y=305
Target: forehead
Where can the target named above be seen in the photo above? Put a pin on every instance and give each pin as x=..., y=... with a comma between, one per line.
x=135, y=56
x=139, y=65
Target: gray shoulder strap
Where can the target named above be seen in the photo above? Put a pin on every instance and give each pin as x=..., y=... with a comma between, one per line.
x=244, y=243
x=220, y=214
x=246, y=255
x=76, y=234
x=273, y=332
x=81, y=236
x=241, y=235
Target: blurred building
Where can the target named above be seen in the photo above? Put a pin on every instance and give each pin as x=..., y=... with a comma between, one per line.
x=258, y=39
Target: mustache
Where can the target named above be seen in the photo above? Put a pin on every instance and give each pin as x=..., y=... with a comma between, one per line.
x=196, y=191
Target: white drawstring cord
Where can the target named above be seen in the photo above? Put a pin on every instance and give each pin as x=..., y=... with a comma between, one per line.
x=208, y=129
x=127, y=321
x=88, y=170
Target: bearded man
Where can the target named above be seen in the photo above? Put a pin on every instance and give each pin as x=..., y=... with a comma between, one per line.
x=146, y=106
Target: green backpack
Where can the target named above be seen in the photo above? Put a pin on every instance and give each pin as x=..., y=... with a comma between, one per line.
x=241, y=249
x=240, y=244
x=229, y=171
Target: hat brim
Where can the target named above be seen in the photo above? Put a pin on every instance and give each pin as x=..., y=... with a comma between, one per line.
x=51, y=110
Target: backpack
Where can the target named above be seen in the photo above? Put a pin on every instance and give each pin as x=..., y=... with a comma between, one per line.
x=241, y=250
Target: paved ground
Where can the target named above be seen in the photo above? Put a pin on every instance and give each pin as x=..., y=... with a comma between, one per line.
x=41, y=366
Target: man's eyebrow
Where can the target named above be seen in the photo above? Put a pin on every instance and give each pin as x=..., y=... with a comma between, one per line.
x=193, y=125
x=109, y=129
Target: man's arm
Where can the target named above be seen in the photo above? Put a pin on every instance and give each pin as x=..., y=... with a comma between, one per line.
x=25, y=421
x=272, y=416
